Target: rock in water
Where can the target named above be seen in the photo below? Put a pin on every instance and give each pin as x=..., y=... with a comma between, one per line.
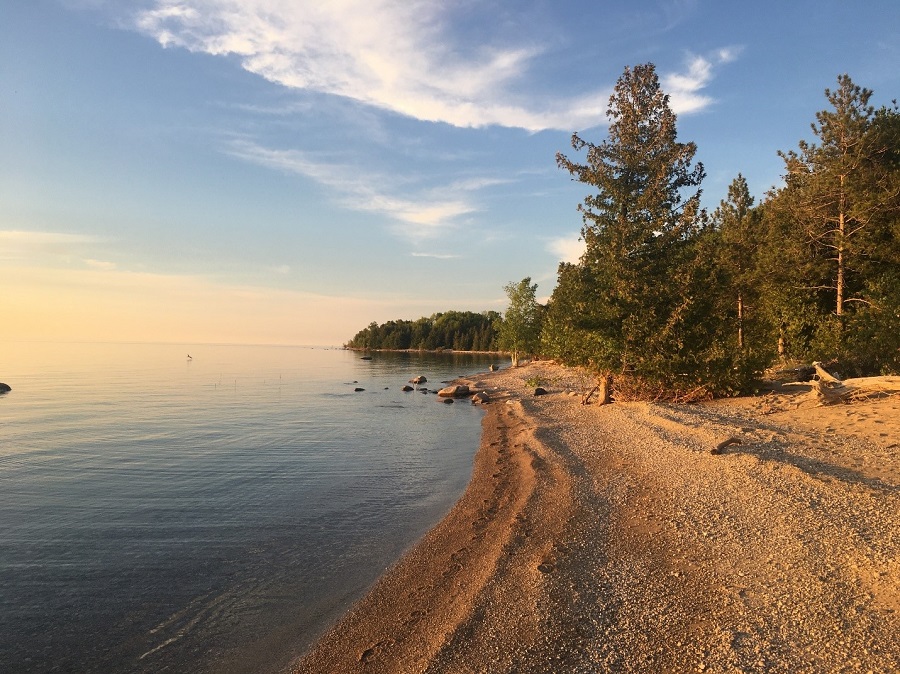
x=5, y=388
x=458, y=391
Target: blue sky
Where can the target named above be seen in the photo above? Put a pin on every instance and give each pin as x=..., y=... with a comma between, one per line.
x=281, y=171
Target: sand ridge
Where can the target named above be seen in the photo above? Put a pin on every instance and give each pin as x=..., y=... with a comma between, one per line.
x=611, y=539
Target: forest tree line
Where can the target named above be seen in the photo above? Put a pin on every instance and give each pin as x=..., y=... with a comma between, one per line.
x=457, y=330
x=670, y=297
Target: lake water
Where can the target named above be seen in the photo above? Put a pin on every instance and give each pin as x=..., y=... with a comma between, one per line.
x=213, y=514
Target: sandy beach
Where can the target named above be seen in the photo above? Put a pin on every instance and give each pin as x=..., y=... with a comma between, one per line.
x=614, y=539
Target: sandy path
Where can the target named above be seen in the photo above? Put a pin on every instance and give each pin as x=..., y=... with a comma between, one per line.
x=611, y=539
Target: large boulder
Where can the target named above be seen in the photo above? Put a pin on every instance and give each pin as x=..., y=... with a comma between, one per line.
x=456, y=391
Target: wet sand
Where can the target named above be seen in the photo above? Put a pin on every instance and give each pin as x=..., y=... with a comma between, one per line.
x=612, y=539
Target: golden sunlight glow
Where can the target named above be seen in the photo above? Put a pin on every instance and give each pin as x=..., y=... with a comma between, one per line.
x=99, y=304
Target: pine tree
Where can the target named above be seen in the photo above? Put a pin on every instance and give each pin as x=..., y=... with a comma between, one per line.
x=833, y=225
x=638, y=289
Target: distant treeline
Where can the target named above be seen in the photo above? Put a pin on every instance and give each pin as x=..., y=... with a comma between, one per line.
x=457, y=330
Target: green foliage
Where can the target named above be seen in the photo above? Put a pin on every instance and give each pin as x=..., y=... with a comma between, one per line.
x=638, y=302
x=457, y=330
x=833, y=235
x=518, y=332
x=682, y=303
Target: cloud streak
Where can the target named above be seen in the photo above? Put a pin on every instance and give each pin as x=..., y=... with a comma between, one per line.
x=396, y=56
x=423, y=215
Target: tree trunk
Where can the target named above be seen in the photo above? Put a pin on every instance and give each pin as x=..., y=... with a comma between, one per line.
x=740, y=317
x=842, y=228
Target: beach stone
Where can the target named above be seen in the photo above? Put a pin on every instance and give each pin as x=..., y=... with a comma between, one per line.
x=5, y=388
x=358, y=389
x=407, y=388
x=457, y=391
x=448, y=401
x=480, y=398
x=540, y=391
x=418, y=380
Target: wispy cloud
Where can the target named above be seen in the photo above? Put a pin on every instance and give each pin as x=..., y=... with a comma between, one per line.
x=437, y=256
x=419, y=214
x=397, y=56
x=685, y=88
x=100, y=265
x=16, y=244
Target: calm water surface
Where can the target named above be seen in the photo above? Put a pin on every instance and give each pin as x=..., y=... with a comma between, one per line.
x=214, y=514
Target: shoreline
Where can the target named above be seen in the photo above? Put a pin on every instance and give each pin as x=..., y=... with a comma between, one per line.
x=361, y=349
x=613, y=539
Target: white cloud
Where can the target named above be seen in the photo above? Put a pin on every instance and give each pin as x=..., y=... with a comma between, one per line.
x=397, y=56
x=416, y=215
x=567, y=248
x=684, y=88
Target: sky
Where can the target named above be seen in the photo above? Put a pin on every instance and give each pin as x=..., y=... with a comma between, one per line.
x=287, y=172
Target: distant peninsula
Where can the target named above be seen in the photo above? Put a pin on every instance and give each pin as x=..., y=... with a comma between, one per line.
x=450, y=330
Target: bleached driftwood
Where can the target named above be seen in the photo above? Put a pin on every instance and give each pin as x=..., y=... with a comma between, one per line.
x=829, y=390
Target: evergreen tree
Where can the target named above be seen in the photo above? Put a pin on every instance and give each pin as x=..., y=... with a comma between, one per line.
x=638, y=291
x=833, y=224
x=737, y=240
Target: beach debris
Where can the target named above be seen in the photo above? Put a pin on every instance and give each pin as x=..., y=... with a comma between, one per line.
x=455, y=391
x=828, y=389
x=603, y=389
x=5, y=388
x=418, y=380
x=480, y=398
x=718, y=449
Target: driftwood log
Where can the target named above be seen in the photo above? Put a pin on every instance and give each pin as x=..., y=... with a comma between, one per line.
x=829, y=390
